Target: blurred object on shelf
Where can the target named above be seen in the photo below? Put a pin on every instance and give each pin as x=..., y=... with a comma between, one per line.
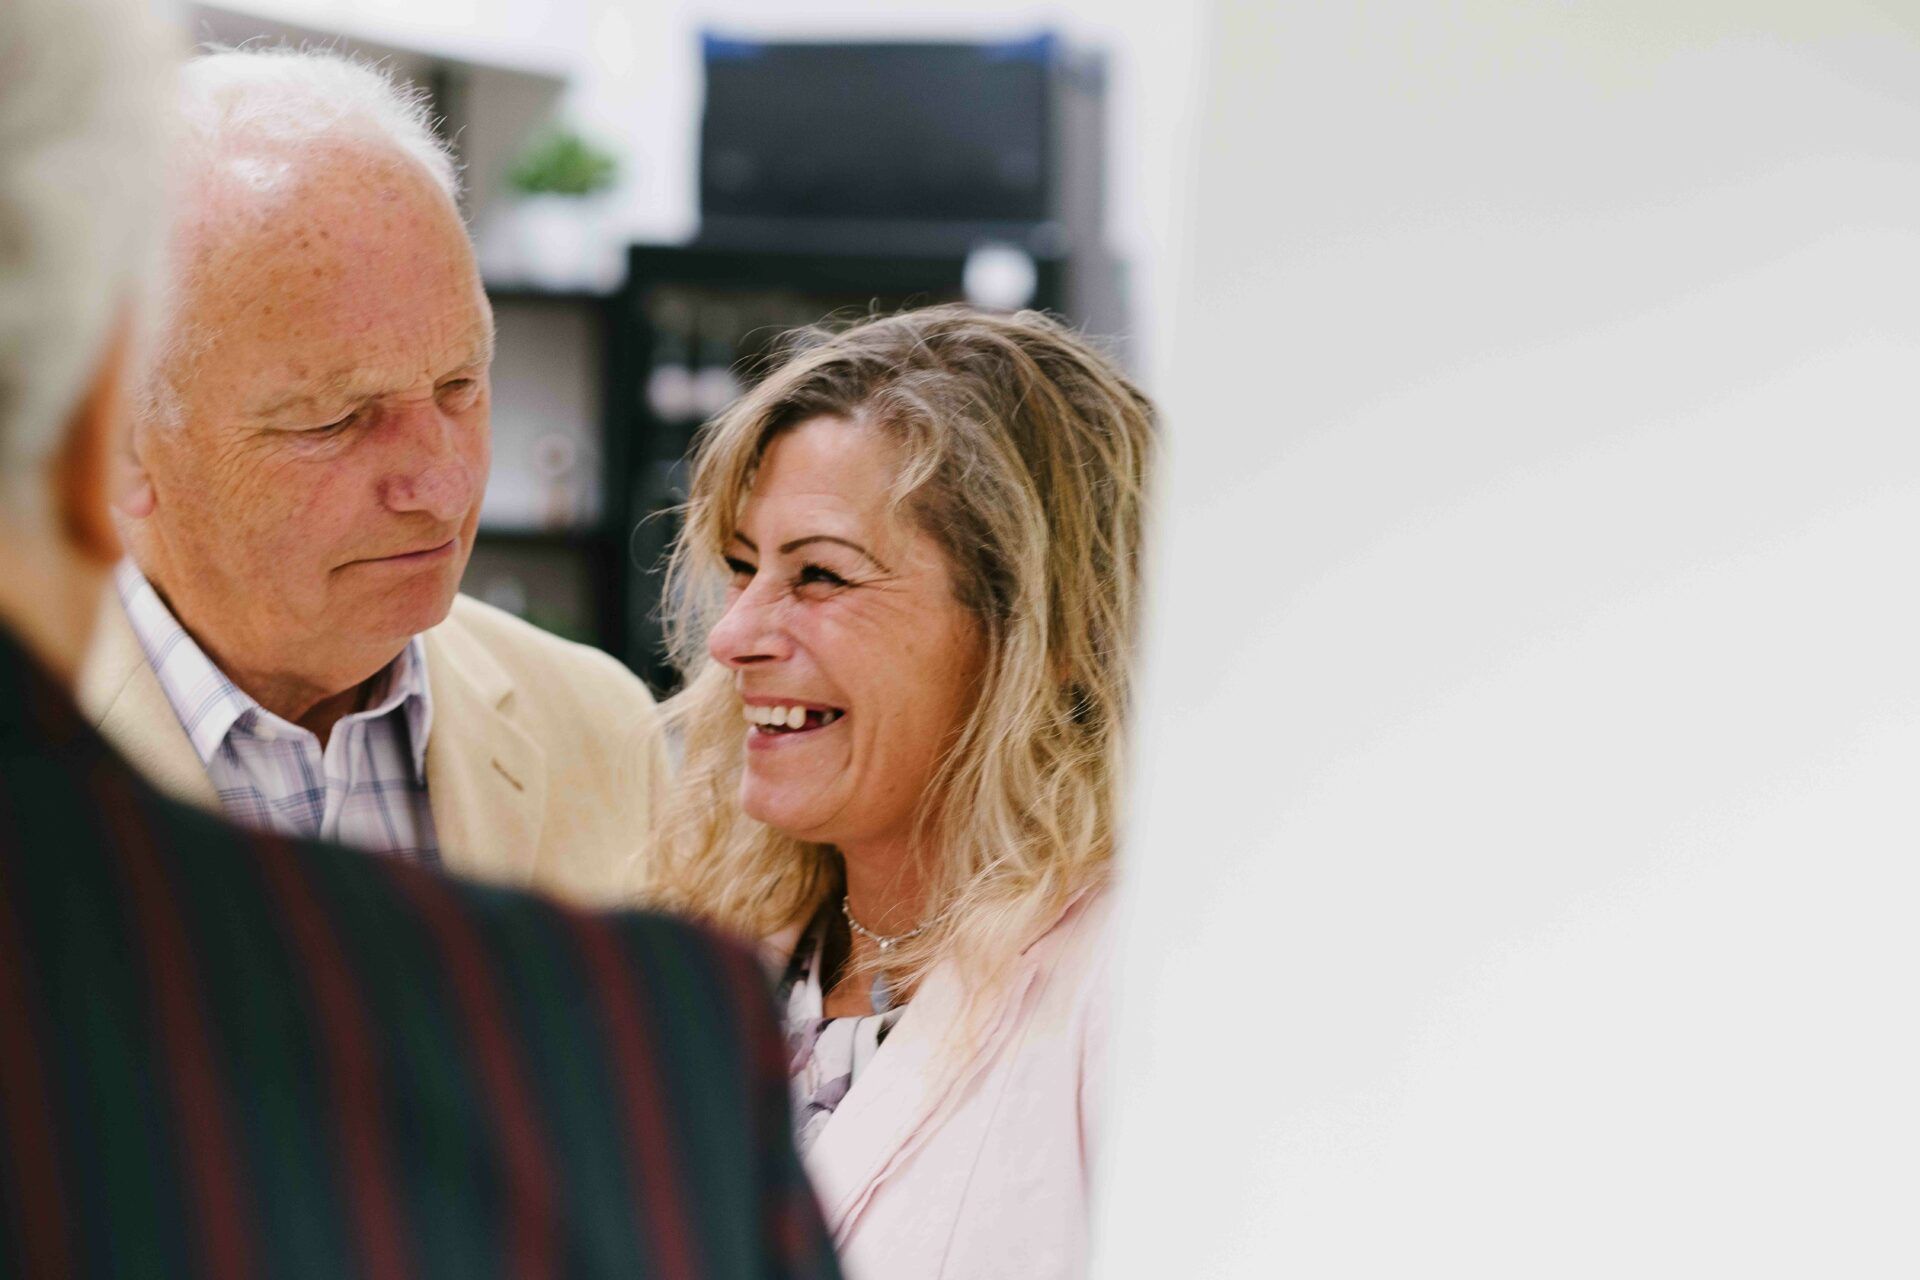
x=670, y=391
x=562, y=163
x=556, y=457
x=999, y=276
x=547, y=581
x=547, y=549
x=714, y=386
x=548, y=410
x=556, y=233
x=502, y=591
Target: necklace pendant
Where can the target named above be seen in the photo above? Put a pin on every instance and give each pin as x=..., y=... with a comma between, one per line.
x=885, y=944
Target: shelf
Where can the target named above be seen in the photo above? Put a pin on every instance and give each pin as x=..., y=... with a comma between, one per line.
x=589, y=536
x=507, y=291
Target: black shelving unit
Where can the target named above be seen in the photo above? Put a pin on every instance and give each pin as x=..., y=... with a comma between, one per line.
x=569, y=578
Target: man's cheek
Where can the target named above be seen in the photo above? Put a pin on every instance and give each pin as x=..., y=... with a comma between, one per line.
x=318, y=520
x=481, y=450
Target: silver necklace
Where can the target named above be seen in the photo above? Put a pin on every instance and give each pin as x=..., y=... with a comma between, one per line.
x=884, y=942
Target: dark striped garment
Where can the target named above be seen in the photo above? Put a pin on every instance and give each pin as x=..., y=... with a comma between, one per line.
x=224, y=1054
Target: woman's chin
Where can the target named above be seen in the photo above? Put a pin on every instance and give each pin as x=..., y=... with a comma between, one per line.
x=776, y=807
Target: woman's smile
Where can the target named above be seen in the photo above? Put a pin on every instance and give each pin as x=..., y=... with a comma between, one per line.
x=773, y=724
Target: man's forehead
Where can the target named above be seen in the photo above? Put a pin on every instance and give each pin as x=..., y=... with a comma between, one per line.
x=271, y=208
x=305, y=282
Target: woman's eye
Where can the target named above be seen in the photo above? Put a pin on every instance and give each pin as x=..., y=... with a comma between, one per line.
x=742, y=571
x=819, y=575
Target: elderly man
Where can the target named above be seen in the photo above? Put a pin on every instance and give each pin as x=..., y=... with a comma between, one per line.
x=310, y=451
x=230, y=1054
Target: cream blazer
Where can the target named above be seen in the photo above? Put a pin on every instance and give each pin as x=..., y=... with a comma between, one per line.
x=543, y=761
x=976, y=1168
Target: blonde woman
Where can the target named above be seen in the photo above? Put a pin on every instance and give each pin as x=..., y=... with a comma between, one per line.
x=906, y=594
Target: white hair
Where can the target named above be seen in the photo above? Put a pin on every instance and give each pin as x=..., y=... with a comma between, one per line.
x=234, y=101
x=82, y=127
x=293, y=97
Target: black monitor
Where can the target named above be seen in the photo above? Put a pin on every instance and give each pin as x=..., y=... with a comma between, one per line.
x=878, y=132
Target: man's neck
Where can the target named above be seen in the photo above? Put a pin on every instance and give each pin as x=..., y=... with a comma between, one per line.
x=315, y=704
x=296, y=700
x=320, y=717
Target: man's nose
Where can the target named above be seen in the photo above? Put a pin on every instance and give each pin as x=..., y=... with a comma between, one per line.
x=750, y=632
x=439, y=466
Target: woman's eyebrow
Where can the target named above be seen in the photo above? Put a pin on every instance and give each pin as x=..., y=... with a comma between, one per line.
x=788, y=548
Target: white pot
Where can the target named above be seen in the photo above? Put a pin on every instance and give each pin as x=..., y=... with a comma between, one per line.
x=557, y=240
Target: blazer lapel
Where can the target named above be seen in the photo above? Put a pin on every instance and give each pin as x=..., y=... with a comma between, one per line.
x=904, y=1094
x=486, y=779
x=122, y=698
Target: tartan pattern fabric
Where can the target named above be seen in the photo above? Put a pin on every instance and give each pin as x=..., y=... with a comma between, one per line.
x=234, y=1054
x=367, y=788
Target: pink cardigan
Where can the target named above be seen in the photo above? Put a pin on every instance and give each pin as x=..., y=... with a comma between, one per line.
x=976, y=1172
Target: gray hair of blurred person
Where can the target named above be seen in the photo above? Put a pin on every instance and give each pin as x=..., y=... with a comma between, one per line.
x=82, y=124
x=278, y=100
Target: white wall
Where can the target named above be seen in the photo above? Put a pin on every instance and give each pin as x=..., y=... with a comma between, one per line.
x=1522, y=873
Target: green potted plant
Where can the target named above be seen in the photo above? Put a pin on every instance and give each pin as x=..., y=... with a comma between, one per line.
x=558, y=180
x=562, y=163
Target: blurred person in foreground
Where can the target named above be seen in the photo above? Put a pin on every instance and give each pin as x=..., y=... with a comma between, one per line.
x=233, y=1054
x=311, y=446
x=908, y=581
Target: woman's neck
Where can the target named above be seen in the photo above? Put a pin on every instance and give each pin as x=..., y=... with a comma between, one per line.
x=887, y=896
x=885, y=891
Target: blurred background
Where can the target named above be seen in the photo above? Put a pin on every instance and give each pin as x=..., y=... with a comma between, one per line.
x=658, y=190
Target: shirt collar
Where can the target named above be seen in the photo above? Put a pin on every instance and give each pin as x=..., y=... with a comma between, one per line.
x=404, y=684
x=209, y=705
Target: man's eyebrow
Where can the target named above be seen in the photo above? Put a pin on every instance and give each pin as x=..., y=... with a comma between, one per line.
x=343, y=387
x=482, y=349
x=332, y=389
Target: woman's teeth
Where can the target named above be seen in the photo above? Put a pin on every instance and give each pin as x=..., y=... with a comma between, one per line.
x=787, y=719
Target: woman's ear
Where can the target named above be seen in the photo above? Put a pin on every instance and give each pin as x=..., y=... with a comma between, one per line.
x=96, y=437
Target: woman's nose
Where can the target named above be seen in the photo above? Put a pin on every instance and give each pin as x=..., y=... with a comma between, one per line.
x=749, y=631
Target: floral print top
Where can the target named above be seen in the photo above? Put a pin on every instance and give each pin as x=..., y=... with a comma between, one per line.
x=826, y=1055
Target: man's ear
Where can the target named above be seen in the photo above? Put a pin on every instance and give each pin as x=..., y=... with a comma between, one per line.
x=96, y=436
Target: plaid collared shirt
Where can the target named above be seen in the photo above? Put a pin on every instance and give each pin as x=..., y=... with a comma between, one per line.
x=367, y=788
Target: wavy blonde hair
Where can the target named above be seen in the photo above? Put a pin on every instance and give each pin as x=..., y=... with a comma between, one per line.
x=1023, y=453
